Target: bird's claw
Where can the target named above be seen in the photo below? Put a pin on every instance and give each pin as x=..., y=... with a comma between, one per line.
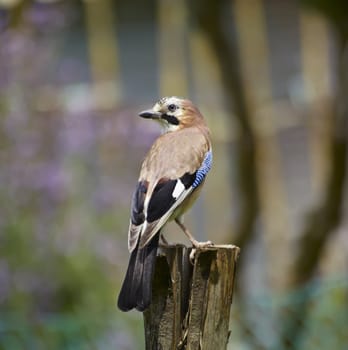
x=203, y=244
x=196, y=245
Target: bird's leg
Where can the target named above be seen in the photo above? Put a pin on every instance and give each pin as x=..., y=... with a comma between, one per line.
x=164, y=243
x=196, y=244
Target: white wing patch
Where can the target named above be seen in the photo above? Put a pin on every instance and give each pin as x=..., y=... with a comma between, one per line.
x=179, y=188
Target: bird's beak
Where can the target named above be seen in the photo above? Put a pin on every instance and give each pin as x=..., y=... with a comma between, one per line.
x=150, y=114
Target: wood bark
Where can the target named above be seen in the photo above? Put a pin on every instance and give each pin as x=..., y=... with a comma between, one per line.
x=191, y=303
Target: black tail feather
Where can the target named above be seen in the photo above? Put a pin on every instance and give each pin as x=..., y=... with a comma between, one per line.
x=136, y=291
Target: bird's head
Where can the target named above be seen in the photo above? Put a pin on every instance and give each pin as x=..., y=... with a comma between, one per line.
x=174, y=113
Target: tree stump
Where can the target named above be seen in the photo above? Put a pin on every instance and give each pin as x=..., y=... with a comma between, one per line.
x=190, y=306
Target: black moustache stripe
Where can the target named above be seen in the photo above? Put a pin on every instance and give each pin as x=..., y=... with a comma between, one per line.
x=171, y=119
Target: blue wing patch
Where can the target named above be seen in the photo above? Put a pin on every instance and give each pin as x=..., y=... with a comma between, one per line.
x=204, y=169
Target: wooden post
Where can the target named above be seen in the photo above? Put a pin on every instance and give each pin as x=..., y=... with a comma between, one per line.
x=190, y=306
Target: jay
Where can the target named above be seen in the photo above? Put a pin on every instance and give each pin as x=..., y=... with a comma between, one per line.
x=170, y=180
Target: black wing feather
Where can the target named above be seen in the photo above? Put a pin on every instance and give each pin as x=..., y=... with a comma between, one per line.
x=136, y=291
x=137, y=214
x=161, y=200
x=162, y=197
x=188, y=179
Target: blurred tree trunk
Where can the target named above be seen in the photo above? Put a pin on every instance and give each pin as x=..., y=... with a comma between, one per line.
x=325, y=218
x=210, y=18
x=103, y=54
x=16, y=13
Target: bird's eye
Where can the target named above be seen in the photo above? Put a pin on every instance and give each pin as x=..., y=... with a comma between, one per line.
x=172, y=107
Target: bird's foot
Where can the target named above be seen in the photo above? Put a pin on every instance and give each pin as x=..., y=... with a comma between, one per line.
x=197, y=245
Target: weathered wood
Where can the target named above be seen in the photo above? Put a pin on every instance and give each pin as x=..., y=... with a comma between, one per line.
x=190, y=306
